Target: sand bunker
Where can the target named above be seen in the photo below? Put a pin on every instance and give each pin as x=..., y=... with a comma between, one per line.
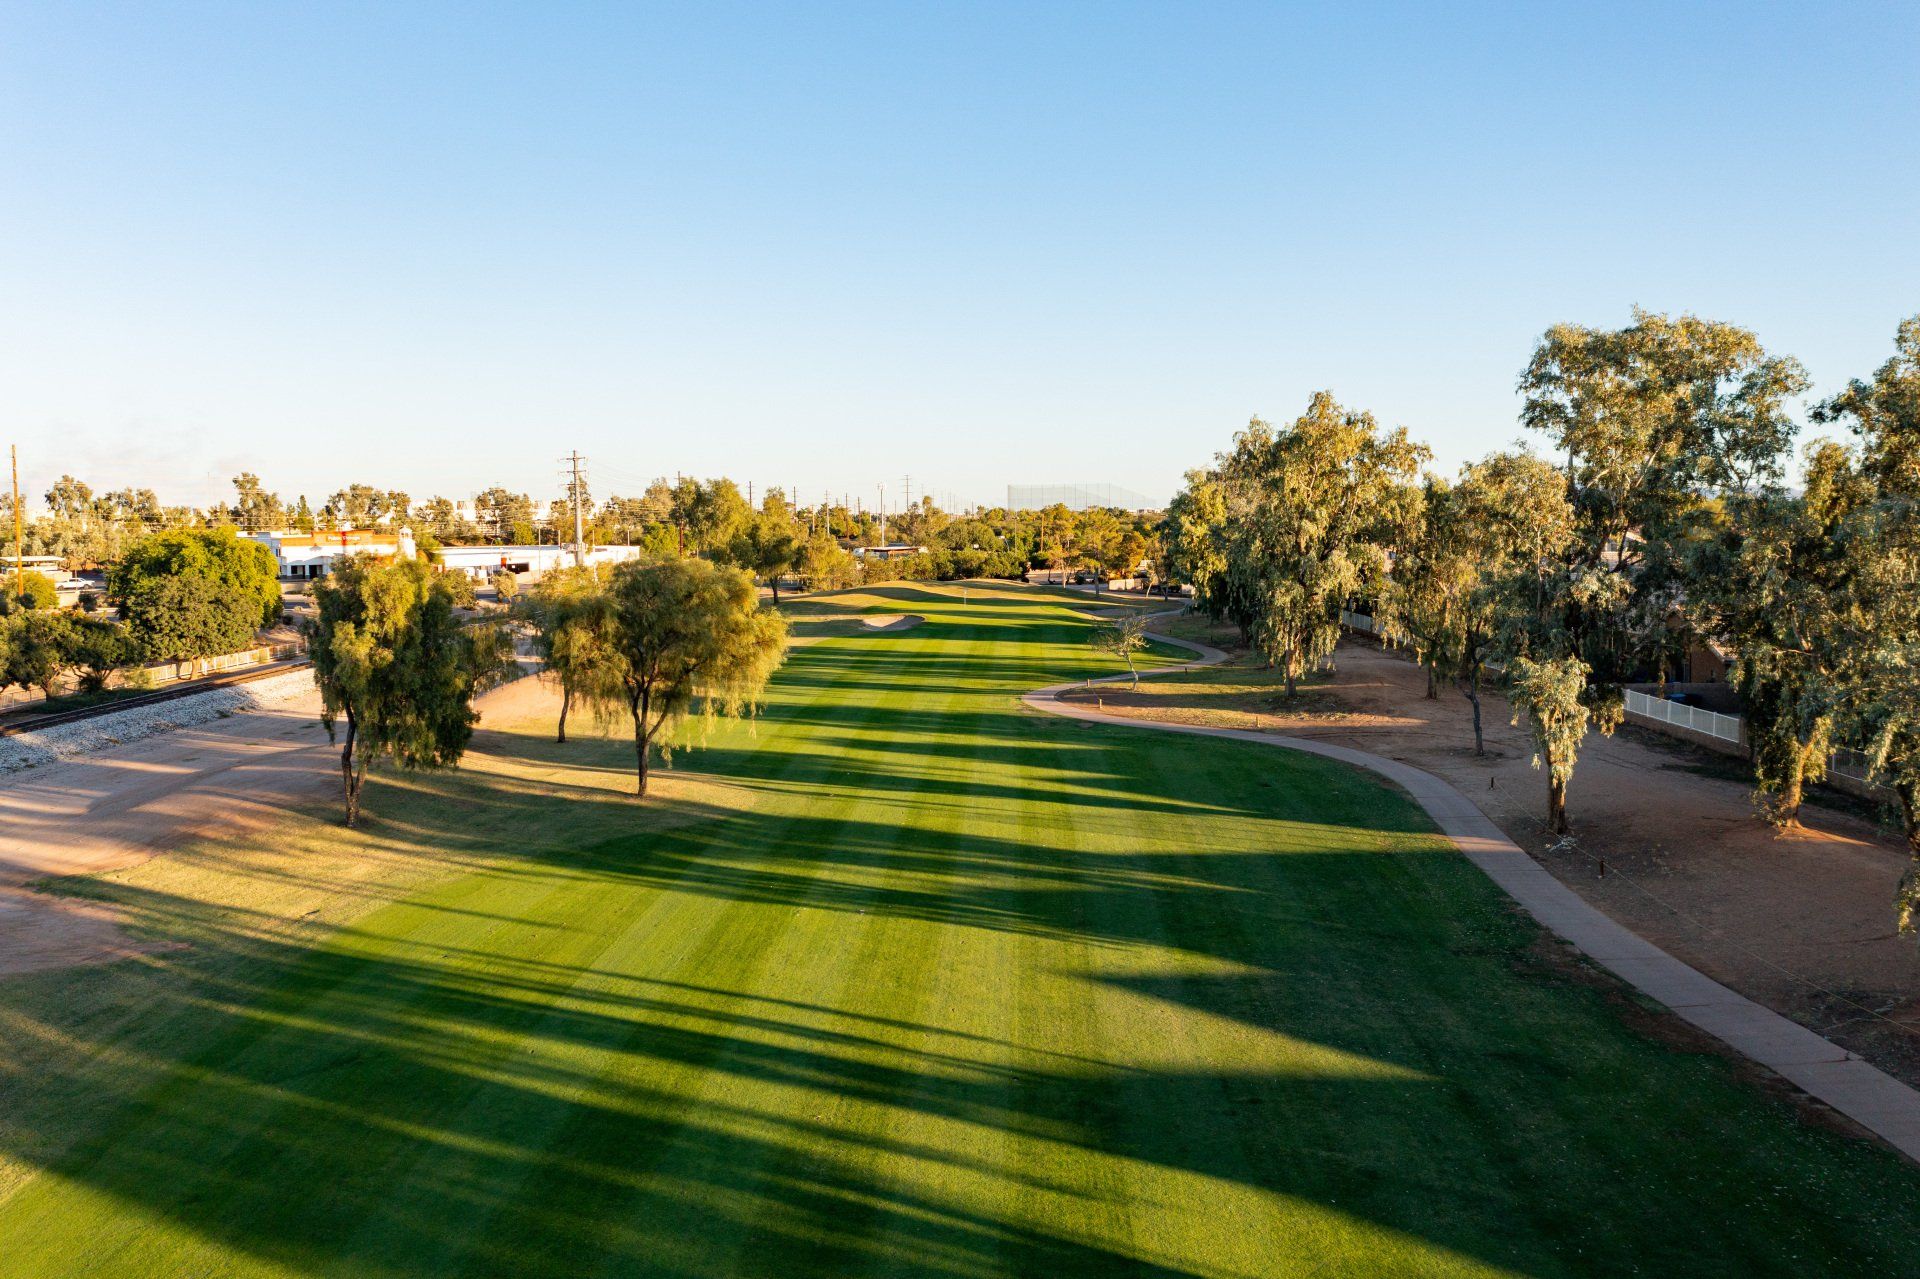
x=892, y=622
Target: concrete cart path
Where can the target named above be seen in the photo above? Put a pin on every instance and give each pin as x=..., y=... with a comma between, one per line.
x=1868, y=1096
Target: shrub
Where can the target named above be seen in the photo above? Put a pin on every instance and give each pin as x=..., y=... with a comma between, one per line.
x=32, y=590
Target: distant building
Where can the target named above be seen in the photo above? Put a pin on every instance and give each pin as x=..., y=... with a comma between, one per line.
x=891, y=551
x=309, y=555
x=303, y=556
x=482, y=562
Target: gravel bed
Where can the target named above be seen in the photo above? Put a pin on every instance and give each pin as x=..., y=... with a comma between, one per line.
x=84, y=737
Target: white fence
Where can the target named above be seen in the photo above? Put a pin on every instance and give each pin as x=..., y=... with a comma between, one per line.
x=1359, y=622
x=1851, y=765
x=1726, y=728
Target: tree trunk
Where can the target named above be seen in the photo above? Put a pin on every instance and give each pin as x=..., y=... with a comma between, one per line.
x=1909, y=793
x=1556, y=804
x=774, y=582
x=1786, y=808
x=1472, y=691
x=566, y=704
x=1433, y=684
x=1131, y=670
x=349, y=782
x=642, y=740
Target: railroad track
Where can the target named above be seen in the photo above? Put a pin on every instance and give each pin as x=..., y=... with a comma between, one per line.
x=52, y=719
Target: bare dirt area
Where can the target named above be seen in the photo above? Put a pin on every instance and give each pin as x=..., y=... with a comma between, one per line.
x=220, y=783
x=1666, y=839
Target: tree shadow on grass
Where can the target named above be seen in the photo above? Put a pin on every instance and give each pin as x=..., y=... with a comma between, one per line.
x=1274, y=1029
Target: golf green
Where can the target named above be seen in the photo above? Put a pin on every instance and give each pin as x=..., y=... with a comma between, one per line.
x=931, y=984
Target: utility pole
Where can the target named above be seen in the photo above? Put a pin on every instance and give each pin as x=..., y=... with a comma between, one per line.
x=750, y=505
x=574, y=490
x=883, y=515
x=19, y=561
x=907, y=484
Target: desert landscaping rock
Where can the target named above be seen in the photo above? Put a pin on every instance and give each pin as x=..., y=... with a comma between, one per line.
x=70, y=741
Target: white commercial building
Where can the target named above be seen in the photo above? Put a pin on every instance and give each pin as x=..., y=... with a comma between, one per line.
x=310, y=555
x=306, y=555
x=482, y=562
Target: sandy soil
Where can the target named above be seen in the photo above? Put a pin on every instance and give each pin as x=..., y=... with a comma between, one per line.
x=892, y=622
x=122, y=806
x=1801, y=921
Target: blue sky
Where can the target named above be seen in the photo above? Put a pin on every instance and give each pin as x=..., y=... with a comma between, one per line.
x=434, y=247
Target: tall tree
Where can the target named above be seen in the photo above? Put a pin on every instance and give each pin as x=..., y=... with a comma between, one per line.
x=1195, y=533
x=189, y=594
x=396, y=665
x=1655, y=419
x=767, y=548
x=498, y=512
x=825, y=565
x=39, y=650
x=1775, y=575
x=1508, y=513
x=573, y=634
x=254, y=509
x=1658, y=420
x=1327, y=499
x=1881, y=682
x=361, y=505
x=688, y=634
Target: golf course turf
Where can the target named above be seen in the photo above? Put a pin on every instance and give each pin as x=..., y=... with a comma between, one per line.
x=910, y=980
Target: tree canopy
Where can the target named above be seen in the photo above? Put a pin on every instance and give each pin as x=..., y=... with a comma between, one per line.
x=397, y=667
x=188, y=594
x=688, y=634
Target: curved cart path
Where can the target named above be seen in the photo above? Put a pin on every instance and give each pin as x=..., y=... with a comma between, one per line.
x=1868, y=1096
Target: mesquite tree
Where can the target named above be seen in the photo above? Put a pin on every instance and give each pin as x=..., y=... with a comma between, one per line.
x=397, y=666
x=574, y=636
x=687, y=634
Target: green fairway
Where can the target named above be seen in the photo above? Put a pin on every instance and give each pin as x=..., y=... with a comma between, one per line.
x=926, y=983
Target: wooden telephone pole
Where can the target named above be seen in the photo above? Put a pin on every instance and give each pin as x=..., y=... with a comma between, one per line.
x=19, y=560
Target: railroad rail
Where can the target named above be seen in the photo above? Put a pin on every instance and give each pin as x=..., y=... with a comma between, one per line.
x=15, y=724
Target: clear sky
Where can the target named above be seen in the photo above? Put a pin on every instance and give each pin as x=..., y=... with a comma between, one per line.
x=434, y=247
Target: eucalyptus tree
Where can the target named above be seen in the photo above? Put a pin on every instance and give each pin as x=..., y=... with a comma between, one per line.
x=1655, y=419
x=1194, y=533
x=1507, y=514
x=1776, y=576
x=1327, y=498
x=1881, y=683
